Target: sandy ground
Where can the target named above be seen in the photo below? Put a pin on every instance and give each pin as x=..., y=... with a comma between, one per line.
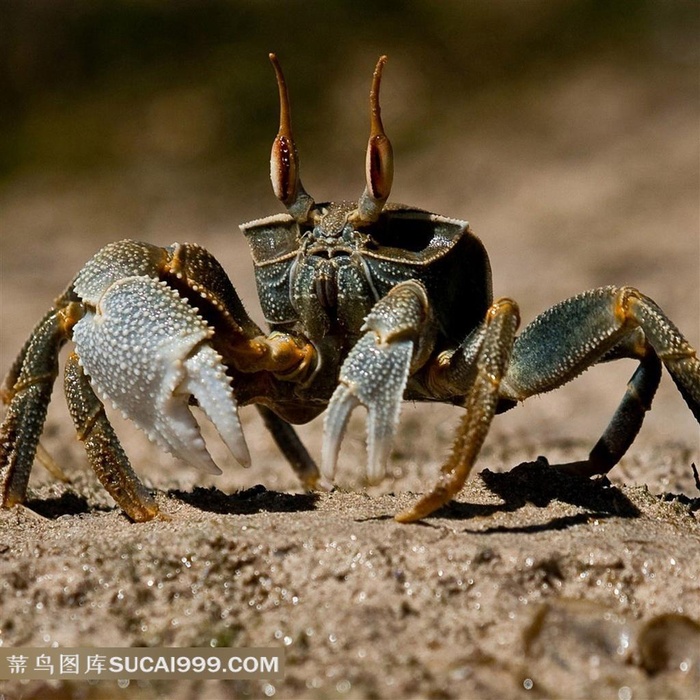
x=531, y=584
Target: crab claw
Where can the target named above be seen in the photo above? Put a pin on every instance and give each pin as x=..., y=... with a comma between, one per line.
x=374, y=375
x=146, y=349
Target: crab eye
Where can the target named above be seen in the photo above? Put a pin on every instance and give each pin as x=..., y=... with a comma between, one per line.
x=379, y=161
x=284, y=160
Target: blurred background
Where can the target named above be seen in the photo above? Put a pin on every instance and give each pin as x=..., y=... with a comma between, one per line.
x=565, y=131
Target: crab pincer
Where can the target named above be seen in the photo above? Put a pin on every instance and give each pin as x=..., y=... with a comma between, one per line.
x=163, y=357
x=399, y=335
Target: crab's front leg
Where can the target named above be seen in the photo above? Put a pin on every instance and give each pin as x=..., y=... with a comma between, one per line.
x=147, y=349
x=400, y=341
x=199, y=277
x=172, y=329
x=399, y=337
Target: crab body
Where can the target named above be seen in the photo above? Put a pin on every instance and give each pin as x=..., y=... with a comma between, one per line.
x=322, y=281
x=367, y=303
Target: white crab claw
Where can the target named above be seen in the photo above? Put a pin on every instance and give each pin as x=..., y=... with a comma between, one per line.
x=342, y=404
x=146, y=349
x=208, y=383
x=374, y=374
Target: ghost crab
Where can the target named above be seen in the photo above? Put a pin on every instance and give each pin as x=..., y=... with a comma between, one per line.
x=368, y=303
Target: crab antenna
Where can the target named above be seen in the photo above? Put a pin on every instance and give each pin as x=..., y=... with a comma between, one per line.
x=379, y=161
x=284, y=160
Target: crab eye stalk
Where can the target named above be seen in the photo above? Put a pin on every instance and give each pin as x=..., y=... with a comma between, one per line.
x=284, y=160
x=379, y=161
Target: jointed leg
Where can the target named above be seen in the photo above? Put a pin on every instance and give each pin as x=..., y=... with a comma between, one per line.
x=601, y=325
x=7, y=389
x=679, y=358
x=291, y=446
x=28, y=388
x=107, y=458
x=625, y=423
x=491, y=361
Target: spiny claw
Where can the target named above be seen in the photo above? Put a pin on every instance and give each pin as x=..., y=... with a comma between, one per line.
x=374, y=375
x=342, y=404
x=145, y=348
x=208, y=383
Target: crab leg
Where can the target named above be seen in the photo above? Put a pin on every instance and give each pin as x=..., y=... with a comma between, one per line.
x=291, y=446
x=28, y=387
x=597, y=326
x=481, y=401
x=627, y=419
x=107, y=458
x=399, y=337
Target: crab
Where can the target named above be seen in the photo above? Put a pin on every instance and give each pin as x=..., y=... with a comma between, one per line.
x=368, y=303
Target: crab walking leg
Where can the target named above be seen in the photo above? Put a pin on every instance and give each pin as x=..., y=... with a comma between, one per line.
x=399, y=337
x=679, y=358
x=32, y=378
x=291, y=446
x=491, y=363
x=7, y=392
x=625, y=423
x=7, y=389
x=600, y=325
x=107, y=458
